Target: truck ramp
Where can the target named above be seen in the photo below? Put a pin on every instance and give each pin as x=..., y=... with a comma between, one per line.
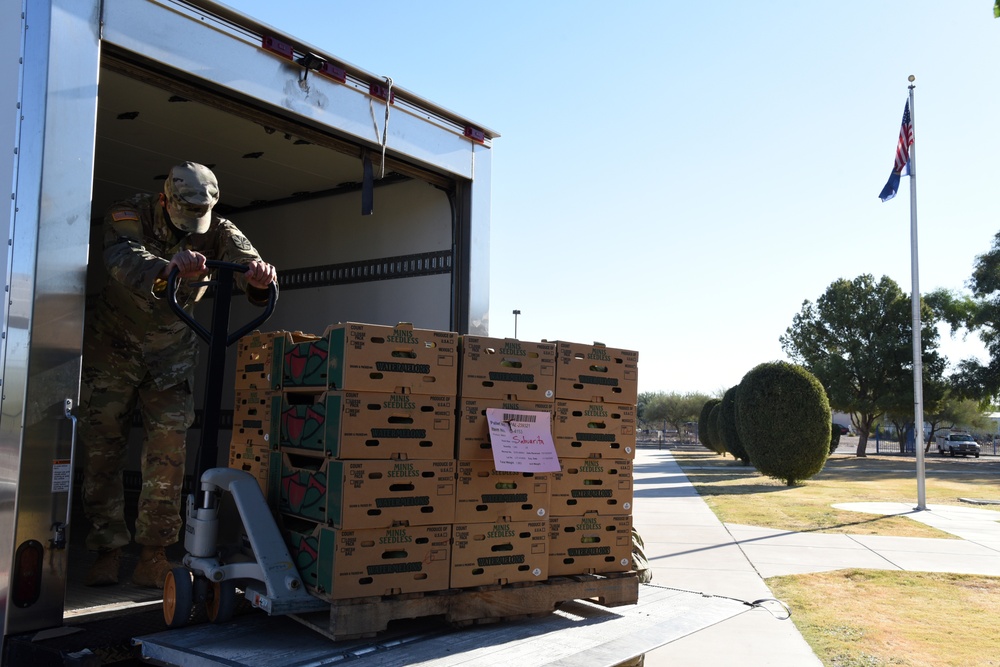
x=580, y=633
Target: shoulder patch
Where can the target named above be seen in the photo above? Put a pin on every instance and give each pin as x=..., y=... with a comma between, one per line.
x=118, y=216
x=242, y=242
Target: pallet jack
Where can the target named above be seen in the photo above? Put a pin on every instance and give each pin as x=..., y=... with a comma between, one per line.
x=210, y=572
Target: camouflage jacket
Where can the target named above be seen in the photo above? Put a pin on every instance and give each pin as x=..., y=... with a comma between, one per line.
x=132, y=310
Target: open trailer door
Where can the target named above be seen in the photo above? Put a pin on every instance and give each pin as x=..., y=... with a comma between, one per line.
x=50, y=172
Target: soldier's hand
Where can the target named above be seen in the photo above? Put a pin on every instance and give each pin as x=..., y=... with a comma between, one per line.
x=260, y=274
x=189, y=264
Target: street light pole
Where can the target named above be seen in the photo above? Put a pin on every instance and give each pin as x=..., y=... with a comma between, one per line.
x=516, y=313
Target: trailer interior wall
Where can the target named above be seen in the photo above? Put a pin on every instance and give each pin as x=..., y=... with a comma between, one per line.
x=410, y=218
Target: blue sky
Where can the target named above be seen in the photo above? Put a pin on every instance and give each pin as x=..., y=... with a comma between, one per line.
x=678, y=177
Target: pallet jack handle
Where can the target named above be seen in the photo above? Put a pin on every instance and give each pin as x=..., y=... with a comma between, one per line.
x=218, y=338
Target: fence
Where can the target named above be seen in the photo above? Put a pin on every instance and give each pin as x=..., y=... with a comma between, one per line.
x=660, y=434
x=888, y=443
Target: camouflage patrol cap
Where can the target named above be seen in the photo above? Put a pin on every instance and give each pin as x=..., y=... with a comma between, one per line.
x=191, y=190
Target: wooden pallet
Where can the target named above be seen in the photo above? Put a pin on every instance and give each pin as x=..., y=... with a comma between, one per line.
x=366, y=617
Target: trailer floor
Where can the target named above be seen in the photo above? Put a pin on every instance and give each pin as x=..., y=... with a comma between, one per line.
x=83, y=600
x=578, y=634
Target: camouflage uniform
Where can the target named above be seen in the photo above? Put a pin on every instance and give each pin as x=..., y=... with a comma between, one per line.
x=139, y=354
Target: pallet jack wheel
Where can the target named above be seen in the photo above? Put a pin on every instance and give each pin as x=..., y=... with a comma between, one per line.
x=221, y=601
x=178, y=597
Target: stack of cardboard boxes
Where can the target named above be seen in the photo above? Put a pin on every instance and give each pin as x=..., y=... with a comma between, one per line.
x=590, y=528
x=361, y=464
x=373, y=445
x=502, y=527
x=258, y=404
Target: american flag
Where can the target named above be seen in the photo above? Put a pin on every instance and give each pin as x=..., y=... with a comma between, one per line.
x=902, y=156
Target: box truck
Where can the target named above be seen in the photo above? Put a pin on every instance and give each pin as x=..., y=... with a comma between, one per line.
x=373, y=203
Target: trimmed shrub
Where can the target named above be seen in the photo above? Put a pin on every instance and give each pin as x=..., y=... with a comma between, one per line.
x=834, y=437
x=727, y=426
x=783, y=418
x=715, y=431
x=706, y=409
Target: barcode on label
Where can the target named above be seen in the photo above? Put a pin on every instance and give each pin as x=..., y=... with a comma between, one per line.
x=514, y=417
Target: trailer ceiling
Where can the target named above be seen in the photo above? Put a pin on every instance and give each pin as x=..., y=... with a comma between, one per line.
x=148, y=122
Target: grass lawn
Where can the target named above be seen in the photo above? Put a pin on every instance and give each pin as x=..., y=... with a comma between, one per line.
x=739, y=494
x=868, y=618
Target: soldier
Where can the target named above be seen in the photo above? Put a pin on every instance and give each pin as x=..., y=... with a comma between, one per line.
x=139, y=355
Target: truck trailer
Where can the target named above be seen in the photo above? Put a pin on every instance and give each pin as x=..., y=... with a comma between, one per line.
x=372, y=202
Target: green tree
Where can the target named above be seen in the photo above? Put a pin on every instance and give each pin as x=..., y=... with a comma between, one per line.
x=955, y=412
x=673, y=408
x=642, y=403
x=937, y=389
x=980, y=314
x=947, y=412
x=783, y=417
x=728, y=428
x=899, y=407
x=703, y=434
x=857, y=340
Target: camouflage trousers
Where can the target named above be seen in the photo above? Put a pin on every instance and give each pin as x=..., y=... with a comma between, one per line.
x=113, y=387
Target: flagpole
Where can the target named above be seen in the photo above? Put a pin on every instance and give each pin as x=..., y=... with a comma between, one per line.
x=918, y=371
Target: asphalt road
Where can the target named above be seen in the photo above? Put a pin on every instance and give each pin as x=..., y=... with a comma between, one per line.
x=849, y=446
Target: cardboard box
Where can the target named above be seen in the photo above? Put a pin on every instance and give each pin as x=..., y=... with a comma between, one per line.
x=367, y=494
x=602, y=486
x=486, y=554
x=255, y=417
x=473, y=431
x=507, y=368
x=486, y=494
x=582, y=430
x=259, y=357
x=596, y=373
x=370, y=357
x=369, y=425
x=263, y=463
x=341, y=564
x=591, y=544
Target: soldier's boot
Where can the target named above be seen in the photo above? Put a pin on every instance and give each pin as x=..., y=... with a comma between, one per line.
x=104, y=571
x=152, y=568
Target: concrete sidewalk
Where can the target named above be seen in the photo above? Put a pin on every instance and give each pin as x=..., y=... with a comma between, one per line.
x=690, y=549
